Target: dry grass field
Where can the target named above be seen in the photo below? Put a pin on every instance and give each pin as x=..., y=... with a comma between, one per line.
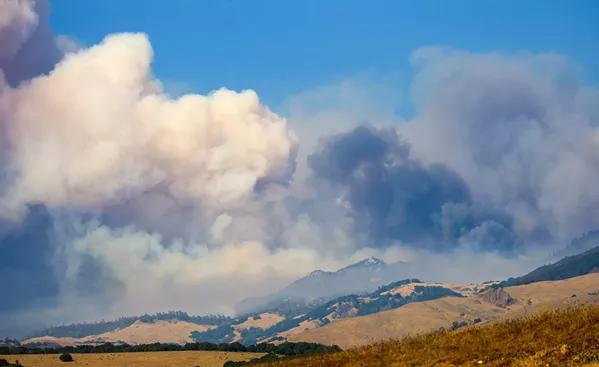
x=149, y=359
x=567, y=337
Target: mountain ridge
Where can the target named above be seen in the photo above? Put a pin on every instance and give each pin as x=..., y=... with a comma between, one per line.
x=265, y=327
x=578, y=245
x=289, y=317
x=361, y=277
x=568, y=267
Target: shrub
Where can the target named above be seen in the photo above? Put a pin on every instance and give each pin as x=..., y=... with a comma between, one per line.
x=477, y=320
x=456, y=325
x=5, y=363
x=66, y=357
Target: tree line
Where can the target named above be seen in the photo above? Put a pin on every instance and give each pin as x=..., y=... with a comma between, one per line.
x=287, y=348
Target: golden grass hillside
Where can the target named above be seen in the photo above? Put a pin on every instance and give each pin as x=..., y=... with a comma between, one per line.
x=141, y=359
x=567, y=337
x=138, y=333
x=424, y=317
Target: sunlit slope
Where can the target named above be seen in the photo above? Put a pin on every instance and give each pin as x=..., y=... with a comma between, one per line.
x=429, y=316
x=566, y=337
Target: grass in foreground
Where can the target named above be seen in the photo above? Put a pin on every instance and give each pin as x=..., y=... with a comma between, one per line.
x=551, y=338
x=140, y=359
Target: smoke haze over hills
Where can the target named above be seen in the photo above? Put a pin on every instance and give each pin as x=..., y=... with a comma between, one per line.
x=116, y=199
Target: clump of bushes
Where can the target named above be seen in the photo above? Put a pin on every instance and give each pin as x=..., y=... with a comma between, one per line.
x=5, y=363
x=283, y=352
x=456, y=325
x=270, y=357
x=66, y=357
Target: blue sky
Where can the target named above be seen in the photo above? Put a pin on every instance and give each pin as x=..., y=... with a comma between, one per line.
x=280, y=48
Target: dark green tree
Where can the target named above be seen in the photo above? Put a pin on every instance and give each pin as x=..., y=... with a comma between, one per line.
x=66, y=357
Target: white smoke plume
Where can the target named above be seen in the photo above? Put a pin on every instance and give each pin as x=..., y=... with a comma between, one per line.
x=104, y=142
x=103, y=135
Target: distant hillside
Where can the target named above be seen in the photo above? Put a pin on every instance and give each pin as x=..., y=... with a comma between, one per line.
x=83, y=330
x=9, y=343
x=545, y=339
x=568, y=267
x=578, y=245
x=358, y=278
x=389, y=297
x=138, y=333
x=276, y=326
x=488, y=306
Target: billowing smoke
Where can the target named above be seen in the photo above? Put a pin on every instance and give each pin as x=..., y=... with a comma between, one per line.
x=29, y=48
x=116, y=199
x=521, y=131
x=392, y=196
x=145, y=200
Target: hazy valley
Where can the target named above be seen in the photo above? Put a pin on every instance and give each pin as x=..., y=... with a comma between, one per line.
x=393, y=310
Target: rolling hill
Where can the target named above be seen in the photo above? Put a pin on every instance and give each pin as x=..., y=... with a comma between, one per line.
x=168, y=327
x=139, y=332
x=568, y=267
x=489, y=306
x=555, y=338
x=313, y=316
x=392, y=311
x=259, y=327
x=82, y=330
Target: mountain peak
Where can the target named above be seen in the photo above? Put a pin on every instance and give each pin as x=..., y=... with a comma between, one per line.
x=370, y=262
x=318, y=272
x=374, y=261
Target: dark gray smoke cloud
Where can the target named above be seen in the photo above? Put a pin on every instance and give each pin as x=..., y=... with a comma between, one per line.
x=395, y=197
x=26, y=263
x=29, y=47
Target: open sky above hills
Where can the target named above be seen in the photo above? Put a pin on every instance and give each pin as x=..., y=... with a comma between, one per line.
x=455, y=135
